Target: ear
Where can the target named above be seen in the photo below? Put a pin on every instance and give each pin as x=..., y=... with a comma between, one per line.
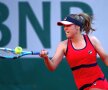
x=77, y=27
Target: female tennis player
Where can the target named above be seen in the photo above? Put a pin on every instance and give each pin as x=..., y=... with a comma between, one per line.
x=80, y=50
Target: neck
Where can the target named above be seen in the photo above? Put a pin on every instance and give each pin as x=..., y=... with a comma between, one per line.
x=77, y=38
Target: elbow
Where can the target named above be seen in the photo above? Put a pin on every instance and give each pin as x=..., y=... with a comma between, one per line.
x=52, y=69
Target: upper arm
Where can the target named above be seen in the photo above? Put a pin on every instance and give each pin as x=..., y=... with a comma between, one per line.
x=97, y=45
x=59, y=54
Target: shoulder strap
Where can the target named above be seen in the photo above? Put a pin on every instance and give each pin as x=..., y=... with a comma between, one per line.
x=68, y=44
x=88, y=40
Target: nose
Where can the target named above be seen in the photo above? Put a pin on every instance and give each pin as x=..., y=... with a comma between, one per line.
x=65, y=27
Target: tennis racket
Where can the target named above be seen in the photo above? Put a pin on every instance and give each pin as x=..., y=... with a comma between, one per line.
x=8, y=53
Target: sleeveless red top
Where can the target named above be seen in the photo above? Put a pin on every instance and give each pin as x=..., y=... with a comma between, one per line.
x=83, y=63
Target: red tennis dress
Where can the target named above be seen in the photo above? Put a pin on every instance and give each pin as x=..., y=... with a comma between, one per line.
x=84, y=66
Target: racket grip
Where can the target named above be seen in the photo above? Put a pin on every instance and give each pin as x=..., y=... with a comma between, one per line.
x=37, y=53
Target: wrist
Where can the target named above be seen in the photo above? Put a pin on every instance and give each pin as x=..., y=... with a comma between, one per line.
x=45, y=57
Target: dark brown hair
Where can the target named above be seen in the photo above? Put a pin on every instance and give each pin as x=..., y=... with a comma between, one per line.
x=86, y=21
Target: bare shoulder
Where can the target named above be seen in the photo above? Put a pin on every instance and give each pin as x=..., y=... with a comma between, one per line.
x=63, y=45
x=94, y=40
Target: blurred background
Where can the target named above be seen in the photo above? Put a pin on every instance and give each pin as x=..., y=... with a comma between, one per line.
x=32, y=24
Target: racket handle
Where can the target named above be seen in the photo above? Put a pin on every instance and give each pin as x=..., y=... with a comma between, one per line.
x=36, y=53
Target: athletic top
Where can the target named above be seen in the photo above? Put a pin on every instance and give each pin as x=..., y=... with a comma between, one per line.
x=83, y=63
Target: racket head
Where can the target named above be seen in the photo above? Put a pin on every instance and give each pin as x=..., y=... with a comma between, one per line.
x=7, y=53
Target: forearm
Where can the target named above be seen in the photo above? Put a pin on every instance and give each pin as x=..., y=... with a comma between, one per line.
x=56, y=59
x=49, y=63
x=106, y=60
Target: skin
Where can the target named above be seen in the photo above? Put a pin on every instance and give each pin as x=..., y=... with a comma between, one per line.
x=73, y=32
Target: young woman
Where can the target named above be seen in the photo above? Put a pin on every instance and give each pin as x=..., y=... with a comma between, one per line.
x=80, y=51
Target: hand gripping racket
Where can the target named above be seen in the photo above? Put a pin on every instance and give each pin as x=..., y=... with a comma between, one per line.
x=8, y=53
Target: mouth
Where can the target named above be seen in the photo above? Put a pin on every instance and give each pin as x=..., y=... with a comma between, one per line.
x=67, y=32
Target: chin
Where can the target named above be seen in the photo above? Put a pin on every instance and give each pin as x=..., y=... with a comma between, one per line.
x=67, y=36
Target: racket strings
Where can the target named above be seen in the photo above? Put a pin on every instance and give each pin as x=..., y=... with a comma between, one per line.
x=7, y=53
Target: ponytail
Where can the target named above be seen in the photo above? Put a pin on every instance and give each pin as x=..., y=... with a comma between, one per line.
x=87, y=20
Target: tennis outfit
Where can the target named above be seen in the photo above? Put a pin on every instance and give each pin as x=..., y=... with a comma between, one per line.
x=84, y=66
